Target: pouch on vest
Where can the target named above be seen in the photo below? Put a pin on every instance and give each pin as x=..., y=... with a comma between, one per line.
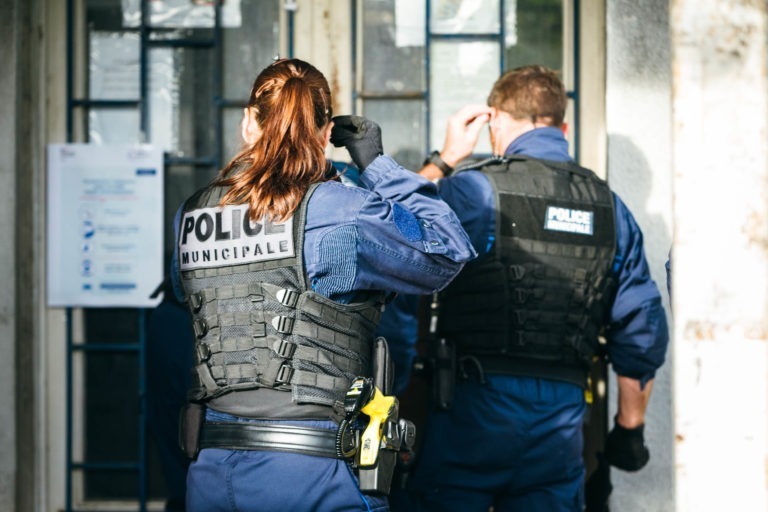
x=191, y=419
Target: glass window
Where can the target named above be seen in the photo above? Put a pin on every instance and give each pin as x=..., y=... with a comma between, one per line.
x=393, y=47
x=197, y=112
x=232, y=138
x=250, y=47
x=468, y=49
x=534, y=33
x=465, y=16
x=402, y=129
x=113, y=65
x=462, y=73
x=113, y=126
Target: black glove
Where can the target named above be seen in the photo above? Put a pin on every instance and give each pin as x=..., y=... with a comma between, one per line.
x=361, y=137
x=625, y=448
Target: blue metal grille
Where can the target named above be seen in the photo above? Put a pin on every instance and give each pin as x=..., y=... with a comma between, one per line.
x=211, y=161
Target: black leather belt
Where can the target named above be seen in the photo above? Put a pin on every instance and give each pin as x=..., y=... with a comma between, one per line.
x=283, y=438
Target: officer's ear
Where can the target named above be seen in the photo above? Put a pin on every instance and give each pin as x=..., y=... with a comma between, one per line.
x=564, y=128
x=249, y=127
x=327, y=134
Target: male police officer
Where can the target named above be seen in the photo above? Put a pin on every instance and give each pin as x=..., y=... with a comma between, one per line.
x=561, y=262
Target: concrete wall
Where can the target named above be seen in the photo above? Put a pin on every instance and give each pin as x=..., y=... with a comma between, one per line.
x=638, y=123
x=26, y=41
x=9, y=34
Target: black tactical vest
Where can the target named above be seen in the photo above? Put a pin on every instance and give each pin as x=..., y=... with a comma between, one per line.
x=535, y=305
x=265, y=342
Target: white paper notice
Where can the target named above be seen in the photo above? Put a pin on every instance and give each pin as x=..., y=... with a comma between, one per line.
x=105, y=225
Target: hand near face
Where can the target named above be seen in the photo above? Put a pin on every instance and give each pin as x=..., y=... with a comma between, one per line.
x=463, y=131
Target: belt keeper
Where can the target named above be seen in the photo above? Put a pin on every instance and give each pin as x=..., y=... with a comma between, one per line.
x=203, y=351
x=288, y=297
x=200, y=327
x=284, y=375
x=195, y=302
x=284, y=348
x=283, y=324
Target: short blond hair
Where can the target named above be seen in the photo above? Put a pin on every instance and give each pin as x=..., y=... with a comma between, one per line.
x=531, y=92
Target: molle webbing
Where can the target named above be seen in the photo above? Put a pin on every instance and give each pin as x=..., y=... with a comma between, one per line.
x=259, y=326
x=538, y=300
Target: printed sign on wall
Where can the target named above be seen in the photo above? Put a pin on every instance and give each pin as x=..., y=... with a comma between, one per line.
x=105, y=225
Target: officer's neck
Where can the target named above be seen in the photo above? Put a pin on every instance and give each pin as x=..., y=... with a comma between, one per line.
x=509, y=130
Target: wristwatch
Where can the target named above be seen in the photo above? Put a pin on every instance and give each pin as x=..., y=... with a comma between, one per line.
x=434, y=159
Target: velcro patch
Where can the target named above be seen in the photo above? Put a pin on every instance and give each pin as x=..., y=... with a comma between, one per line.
x=406, y=223
x=567, y=220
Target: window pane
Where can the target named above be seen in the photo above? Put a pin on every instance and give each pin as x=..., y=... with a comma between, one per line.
x=462, y=72
x=250, y=48
x=104, y=14
x=393, y=46
x=113, y=65
x=232, y=139
x=113, y=126
x=402, y=129
x=181, y=13
x=534, y=33
x=163, y=92
x=196, y=112
x=465, y=17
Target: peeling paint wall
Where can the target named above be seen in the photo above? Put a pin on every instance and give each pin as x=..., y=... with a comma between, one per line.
x=324, y=38
x=638, y=124
x=720, y=162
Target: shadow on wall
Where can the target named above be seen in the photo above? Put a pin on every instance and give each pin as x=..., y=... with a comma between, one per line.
x=633, y=179
x=633, y=182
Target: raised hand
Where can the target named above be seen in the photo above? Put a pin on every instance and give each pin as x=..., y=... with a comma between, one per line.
x=361, y=137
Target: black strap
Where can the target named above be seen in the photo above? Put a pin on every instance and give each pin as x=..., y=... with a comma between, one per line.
x=282, y=438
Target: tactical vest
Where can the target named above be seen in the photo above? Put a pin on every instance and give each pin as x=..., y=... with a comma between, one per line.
x=260, y=330
x=535, y=305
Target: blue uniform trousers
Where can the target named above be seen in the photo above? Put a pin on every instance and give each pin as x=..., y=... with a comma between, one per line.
x=514, y=443
x=255, y=480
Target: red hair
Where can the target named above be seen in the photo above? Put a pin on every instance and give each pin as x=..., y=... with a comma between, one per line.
x=291, y=100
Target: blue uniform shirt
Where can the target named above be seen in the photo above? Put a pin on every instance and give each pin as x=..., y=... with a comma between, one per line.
x=637, y=327
x=393, y=233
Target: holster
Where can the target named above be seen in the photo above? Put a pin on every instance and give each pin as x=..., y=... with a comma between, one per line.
x=398, y=434
x=191, y=419
x=443, y=360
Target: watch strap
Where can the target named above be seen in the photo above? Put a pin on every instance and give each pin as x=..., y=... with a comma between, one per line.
x=435, y=159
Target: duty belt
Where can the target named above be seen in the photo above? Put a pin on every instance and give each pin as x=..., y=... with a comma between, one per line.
x=282, y=438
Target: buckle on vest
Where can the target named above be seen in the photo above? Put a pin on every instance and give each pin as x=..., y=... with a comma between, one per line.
x=284, y=348
x=284, y=375
x=521, y=295
x=196, y=302
x=203, y=351
x=200, y=327
x=283, y=324
x=516, y=272
x=288, y=297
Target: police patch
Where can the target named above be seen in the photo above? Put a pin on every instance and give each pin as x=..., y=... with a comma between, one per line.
x=569, y=221
x=219, y=236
